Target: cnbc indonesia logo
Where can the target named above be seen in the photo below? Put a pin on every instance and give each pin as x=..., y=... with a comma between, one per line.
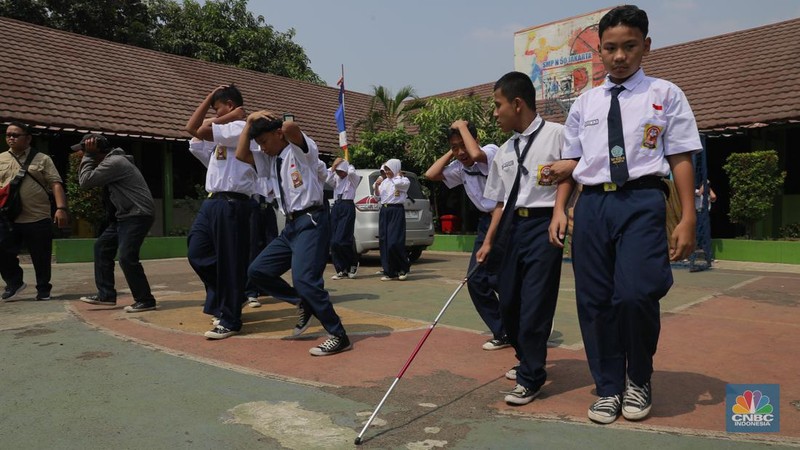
x=752, y=410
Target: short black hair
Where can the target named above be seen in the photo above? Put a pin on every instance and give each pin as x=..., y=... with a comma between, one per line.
x=628, y=15
x=517, y=84
x=22, y=126
x=263, y=125
x=227, y=93
x=455, y=132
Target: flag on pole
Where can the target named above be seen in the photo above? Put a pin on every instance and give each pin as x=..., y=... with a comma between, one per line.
x=340, y=125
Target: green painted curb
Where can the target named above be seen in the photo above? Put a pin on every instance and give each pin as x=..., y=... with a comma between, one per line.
x=82, y=250
x=783, y=252
x=453, y=243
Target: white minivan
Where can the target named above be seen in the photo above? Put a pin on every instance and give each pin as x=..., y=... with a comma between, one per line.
x=419, y=218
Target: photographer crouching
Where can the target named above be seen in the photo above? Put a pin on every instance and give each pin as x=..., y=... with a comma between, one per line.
x=129, y=205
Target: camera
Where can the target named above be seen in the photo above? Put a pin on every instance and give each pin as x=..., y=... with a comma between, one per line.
x=100, y=140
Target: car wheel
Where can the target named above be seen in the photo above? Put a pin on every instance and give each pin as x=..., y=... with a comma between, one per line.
x=414, y=253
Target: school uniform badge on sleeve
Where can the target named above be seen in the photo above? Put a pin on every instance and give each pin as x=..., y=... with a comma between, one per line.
x=651, y=134
x=221, y=152
x=297, y=179
x=545, y=177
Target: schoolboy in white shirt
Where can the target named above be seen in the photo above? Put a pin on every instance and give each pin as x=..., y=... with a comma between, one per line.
x=303, y=245
x=629, y=133
x=467, y=163
x=219, y=238
x=530, y=268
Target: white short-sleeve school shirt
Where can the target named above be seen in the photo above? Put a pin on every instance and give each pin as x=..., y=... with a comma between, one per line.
x=225, y=172
x=394, y=190
x=535, y=188
x=656, y=121
x=201, y=150
x=265, y=183
x=473, y=178
x=343, y=188
x=299, y=177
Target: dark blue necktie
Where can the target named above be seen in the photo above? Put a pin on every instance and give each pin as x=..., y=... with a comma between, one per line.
x=503, y=234
x=616, y=140
x=278, y=164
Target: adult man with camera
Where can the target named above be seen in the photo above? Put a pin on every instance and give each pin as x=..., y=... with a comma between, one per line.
x=33, y=225
x=130, y=206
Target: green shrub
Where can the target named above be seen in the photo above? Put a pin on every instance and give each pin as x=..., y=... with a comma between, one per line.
x=790, y=231
x=86, y=204
x=755, y=180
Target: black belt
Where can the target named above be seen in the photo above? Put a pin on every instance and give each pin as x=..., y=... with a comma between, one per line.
x=533, y=212
x=229, y=196
x=296, y=214
x=392, y=205
x=344, y=200
x=646, y=182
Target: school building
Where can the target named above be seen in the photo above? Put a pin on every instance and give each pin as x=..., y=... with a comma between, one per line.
x=742, y=87
x=68, y=85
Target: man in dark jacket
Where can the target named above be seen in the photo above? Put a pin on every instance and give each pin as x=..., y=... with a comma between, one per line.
x=130, y=206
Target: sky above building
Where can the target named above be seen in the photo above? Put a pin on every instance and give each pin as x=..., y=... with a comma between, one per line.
x=437, y=46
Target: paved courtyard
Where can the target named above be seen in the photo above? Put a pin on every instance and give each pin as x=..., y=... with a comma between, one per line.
x=85, y=376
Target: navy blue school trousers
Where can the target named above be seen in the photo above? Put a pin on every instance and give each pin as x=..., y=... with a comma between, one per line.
x=263, y=229
x=302, y=247
x=528, y=284
x=218, y=252
x=343, y=222
x=392, y=239
x=482, y=285
x=621, y=264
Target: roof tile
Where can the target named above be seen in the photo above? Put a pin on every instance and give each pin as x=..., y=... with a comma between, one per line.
x=62, y=79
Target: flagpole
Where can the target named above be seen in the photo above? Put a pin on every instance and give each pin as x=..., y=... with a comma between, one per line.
x=346, y=151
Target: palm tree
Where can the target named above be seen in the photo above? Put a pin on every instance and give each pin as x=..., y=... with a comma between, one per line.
x=389, y=111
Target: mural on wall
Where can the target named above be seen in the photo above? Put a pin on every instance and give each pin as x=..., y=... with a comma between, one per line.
x=561, y=58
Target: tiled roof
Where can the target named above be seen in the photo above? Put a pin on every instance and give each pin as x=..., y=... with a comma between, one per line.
x=739, y=79
x=549, y=109
x=68, y=81
x=742, y=79
x=64, y=80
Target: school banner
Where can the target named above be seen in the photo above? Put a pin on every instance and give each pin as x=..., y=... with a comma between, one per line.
x=562, y=58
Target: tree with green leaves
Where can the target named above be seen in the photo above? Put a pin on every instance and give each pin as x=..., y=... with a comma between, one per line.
x=123, y=21
x=375, y=148
x=388, y=111
x=435, y=118
x=221, y=31
x=224, y=31
x=755, y=181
